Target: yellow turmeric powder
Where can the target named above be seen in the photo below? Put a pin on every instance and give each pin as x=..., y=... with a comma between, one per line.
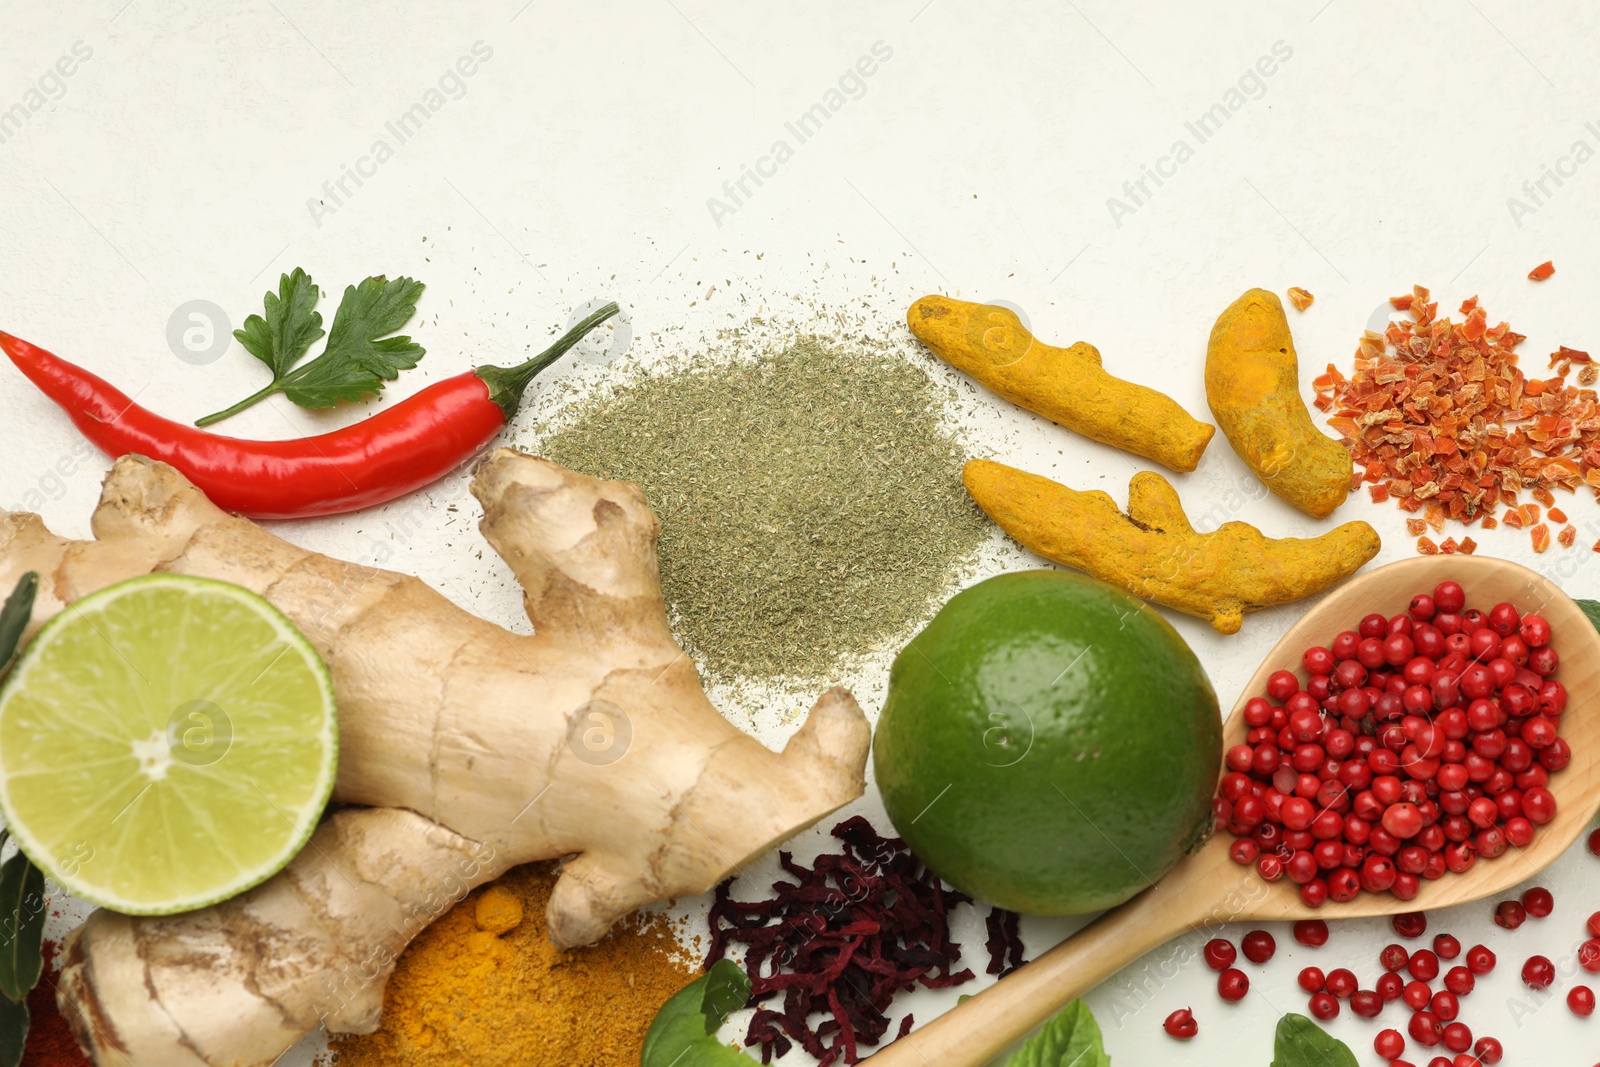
x=483, y=987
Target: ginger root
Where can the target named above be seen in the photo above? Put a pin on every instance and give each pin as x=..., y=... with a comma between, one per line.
x=1065, y=385
x=1253, y=387
x=1154, y=553
x=464, y=750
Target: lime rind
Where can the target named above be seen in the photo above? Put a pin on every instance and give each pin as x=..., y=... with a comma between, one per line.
x=204, y=808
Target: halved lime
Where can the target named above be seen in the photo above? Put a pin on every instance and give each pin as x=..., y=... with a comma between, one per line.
x=166, y=743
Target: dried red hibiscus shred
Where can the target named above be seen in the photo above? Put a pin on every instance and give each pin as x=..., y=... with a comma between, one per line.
x=839, y=942
x=1005, y=941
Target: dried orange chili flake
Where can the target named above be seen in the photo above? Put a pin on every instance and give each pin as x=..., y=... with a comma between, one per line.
x=1416, y=526
x=1468, y=546
x=1544, y=496
x=1489, y=522
x=1513, y=517
x=1530, y=514
x=1300, y=298
x=1448, y=546
x=1557, y=515
x=1542, y=271
x=1567, y=535
x=1441, y=412
x=1380, y=493
x=1541, y=537
x=1426, y=546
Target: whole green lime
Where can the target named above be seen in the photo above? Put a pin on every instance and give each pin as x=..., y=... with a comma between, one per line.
x=1049, y=744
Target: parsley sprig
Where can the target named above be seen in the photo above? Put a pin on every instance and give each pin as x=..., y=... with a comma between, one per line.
x=360, y=355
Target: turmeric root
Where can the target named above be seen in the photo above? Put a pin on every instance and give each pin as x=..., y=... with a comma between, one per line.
x=1154, y=553
x=1065, y=385
x=464, y=750
x=1253, y=387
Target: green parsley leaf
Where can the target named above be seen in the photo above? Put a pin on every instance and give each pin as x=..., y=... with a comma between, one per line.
x=356, y=362
x=1070, y=1039
x=1302, y=1043
x=13, y=1031
x=359, y=357
x=291, y=326
x=684, y=1031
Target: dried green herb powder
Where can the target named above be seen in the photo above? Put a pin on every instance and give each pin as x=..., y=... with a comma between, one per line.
x=810, y=500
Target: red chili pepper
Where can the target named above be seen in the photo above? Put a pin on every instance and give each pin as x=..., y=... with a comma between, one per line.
x=400, y=449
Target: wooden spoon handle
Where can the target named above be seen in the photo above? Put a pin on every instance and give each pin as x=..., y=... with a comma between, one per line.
x=976, y=1031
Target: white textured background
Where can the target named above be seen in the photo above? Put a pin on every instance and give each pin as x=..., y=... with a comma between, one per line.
x=184, y=159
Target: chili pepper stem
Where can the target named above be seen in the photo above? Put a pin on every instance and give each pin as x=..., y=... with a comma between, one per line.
x=228, y=413
x=507, y=384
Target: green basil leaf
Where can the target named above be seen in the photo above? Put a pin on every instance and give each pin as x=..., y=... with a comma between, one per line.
x=1302, y=1043
x=727, y=990
x=683, y=1034
x=13, y=1031
x=1591, y=608
x=15, y=615
x=1071, y=1039
x=21, y=926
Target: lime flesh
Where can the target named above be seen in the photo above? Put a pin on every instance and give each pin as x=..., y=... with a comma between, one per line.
x=166, y=743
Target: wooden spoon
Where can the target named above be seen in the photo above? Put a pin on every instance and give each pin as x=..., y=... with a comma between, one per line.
x=1208, y=888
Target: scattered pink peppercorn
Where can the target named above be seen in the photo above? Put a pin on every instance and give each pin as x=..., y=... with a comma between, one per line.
x=1325, y=1007
x=1480, y=959
x=1425, y=1029
x=1538, y=972
x=1181, y=1025
x=1510, y=914
x=1389, y=1044
x=1394, y=957
x=1220, y=954
x=1417, y=995
x=1312, y=980
x=1232, y=985
x=1488, y=1050
x=1342, y=983
x=1447, y=947
x=1366, y=1003
x=1314, y=932
x=1258, y=946
x=1423, y=965
x=1538, y=902
x=1580, y=998
x=1410, y=924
